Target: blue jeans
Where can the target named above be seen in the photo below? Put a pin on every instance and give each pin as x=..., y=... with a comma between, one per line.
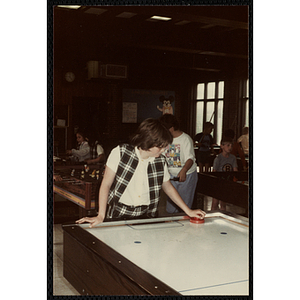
x=186, y=190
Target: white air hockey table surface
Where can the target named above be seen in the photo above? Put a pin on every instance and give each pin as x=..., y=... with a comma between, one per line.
x=193, y=259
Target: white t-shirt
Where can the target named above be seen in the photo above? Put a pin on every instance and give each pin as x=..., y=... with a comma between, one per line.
x=177, y=154
x=137, y=191
x=244, y=139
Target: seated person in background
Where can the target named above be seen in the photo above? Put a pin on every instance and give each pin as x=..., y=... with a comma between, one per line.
x=134, y=176
x=236, y=148
x=244, y=140
x=97, y=154
x=224, y=162
x=181, y=163
x=83, y=152
x=204, y=141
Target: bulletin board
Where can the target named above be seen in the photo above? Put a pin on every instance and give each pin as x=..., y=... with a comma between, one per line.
x=143, y=104
x=129, y=114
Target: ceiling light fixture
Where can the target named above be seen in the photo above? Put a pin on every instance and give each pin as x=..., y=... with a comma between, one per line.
x=161, y=18
x=70, y=6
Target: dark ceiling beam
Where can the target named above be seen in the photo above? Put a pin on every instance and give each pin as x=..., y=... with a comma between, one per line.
x=191, y=51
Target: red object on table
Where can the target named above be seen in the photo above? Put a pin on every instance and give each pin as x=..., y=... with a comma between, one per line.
x=196, y=221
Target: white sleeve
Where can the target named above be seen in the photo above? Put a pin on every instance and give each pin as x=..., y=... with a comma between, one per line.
x=114, y=159
x=99, y=150
x=189, y=152
x=166, y=173
x=84, y=150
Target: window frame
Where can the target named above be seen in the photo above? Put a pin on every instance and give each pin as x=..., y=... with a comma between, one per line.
x=213, y=118
x=244, y=103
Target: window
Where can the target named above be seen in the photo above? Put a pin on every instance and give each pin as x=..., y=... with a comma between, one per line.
x=209, y=107
x=211, y=90
x=244, y=104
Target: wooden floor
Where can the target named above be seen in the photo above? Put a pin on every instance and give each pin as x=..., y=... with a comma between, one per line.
x=61, y=286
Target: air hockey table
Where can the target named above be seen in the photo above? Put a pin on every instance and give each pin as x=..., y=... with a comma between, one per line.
x=159, y=256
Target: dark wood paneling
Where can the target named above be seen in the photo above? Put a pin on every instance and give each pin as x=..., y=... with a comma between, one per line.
x=220, y=185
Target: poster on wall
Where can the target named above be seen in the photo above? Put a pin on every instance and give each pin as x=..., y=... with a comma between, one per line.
x=149, y=103
x=129, y=114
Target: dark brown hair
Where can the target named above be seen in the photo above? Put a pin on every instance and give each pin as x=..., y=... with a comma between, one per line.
x=245, y=130
x=151, y=133
x=169, y=121
x=226, y=139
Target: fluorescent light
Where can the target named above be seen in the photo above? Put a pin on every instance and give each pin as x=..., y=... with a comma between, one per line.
x=161, y=18
x=70, y=6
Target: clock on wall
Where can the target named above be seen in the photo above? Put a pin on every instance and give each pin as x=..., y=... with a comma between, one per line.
x=70, y=76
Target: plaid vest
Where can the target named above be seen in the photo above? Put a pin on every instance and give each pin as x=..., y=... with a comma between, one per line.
x=93, y=150
x=127, y=166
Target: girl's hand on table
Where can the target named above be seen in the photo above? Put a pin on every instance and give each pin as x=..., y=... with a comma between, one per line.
x=92, y=220
x=197, y=213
